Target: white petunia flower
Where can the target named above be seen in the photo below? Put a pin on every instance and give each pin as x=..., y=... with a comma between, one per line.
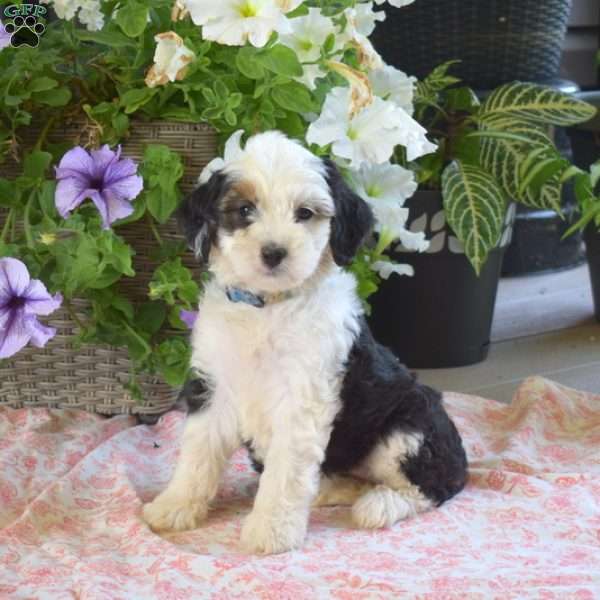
x=384, y=183
x=385, y=188
x=412, y=137
x=88, y=12
x=90, y=15
x=369, y=136
x=235, y=22
x=392, y=84
x=171, y=59
x=391, y=220
x=386, y=268
x=64, y=9
x=307, y=36
x=363, y=18
x=396, y=3
x=356, y=23
x=233, y=150
x=288, y=5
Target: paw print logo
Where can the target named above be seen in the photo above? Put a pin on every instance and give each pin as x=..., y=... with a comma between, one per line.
x=24, y=31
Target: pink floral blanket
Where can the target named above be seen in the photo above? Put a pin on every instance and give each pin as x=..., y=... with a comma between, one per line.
x=527, y=526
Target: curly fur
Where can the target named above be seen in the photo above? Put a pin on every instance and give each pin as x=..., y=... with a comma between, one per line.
x=329, y=415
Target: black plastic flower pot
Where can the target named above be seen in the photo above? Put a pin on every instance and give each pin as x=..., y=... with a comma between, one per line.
x=442, y=316
x=497, y=40
x=592, y=243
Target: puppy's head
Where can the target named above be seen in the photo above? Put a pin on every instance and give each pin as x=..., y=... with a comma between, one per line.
x=270, y=218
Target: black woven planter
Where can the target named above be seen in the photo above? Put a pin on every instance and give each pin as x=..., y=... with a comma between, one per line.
x=497, y=40
x=442, y=316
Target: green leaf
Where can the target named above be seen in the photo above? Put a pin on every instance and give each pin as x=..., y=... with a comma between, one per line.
x=595, y=174
x=161, y=205
x=41, y=84
x=503, y=159
x=281, y=60
x=293, y=96
x=132, y=100
x=539, y=168
x=172, y=282
x=150, y=316
x=161, y=169
x=329, y=43
x=367, y=278
x=173, y=360
x=292, y=125
x=536, y=103
x=36, y=163
x=462, y=99
x=132, y=17
x=301, y=11
x=247, y=63
x=9, y=196
x=113, y=39
x=54, y=97
x=46, y=199
x=475, y=207
x=436, y=81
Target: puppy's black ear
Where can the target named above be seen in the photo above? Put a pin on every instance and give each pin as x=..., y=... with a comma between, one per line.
x=353, y=218
x=198, y=215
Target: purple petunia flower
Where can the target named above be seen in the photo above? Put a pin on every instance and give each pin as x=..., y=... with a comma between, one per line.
x=21, y=300
x=4, y=37
x=188, y=317
x=109, y=182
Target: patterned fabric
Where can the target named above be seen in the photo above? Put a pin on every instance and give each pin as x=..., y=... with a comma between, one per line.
x=527, y=526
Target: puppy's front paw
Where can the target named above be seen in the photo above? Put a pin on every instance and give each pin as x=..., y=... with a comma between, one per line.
x=269, y=535
x=174, y=513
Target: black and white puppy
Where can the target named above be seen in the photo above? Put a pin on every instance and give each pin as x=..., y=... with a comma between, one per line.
x=288, y=365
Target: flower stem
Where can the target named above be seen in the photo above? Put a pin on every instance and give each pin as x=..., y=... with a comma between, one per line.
x=154, y=230
x=382, y=243
x=67, y=304
x=6, y=227
x=44, y=133
x=26, y=223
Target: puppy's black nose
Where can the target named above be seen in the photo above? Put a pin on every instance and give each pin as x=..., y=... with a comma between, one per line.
x=272, y=255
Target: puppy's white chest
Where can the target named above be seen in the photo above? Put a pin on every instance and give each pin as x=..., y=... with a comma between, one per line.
x=277, y=365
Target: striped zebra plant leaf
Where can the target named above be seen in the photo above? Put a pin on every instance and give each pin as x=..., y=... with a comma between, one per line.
x=535, y=103
x=528, y=169
x=475, y=207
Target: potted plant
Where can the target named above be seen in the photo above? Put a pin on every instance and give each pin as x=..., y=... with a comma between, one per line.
x=496, y=42
x=108, y=112
x=489, y=155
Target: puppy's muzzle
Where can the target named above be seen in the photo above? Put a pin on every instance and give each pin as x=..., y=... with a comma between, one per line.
x=272, y=255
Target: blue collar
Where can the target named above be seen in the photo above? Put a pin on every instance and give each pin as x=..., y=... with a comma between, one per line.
x=237, y=295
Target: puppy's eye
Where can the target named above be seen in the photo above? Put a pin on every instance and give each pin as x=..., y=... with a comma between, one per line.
x=246, y=210
x=304, y=214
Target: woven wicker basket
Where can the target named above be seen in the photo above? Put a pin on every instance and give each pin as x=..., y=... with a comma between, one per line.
x=497, y=40
x=93, y=377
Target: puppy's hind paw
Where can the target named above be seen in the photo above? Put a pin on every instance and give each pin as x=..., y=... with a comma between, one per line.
x=169, y=513
x=380, y=507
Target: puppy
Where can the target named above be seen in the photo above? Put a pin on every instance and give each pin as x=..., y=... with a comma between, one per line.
x=288, y=366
